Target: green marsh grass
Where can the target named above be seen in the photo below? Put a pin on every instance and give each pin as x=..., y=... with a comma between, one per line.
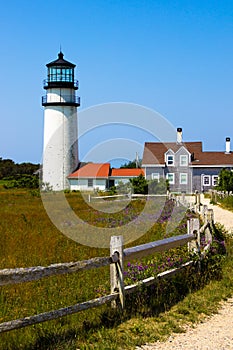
x=28, y=238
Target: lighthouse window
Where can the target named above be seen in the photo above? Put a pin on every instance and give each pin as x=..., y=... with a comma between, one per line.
x=60, y=74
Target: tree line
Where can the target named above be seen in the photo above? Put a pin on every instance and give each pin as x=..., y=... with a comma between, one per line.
x=19, y=175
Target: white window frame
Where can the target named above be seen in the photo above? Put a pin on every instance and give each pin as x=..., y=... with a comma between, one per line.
x=214, y=180
x=203, y=180
x=155, y=176
x=171, y=161
x=171, y=182
x=183, y=162
x=183, y=182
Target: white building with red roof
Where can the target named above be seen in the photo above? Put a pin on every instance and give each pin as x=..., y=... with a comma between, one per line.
x=101, y=176
x=90, y=177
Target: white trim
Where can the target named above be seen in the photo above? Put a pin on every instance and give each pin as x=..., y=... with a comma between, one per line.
x=186, y=157
x=155, y=176
x=173, y=181
x=152, y=165
x=173, y=159
x=183, y=148
x=213, y=179
x=202, y=180
x=169, y=150
x=186, y=181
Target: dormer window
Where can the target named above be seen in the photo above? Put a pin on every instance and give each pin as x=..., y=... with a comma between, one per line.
x=170, y=160
x=183, y=160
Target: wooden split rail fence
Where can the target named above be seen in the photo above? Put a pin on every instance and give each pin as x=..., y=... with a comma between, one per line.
x=116, y=261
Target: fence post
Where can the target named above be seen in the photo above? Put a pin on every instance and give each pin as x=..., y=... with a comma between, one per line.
x=210, y=215
x=193, y=227
x=209, y=219
x=204, y=210
x=117, y=270
x=199, y=200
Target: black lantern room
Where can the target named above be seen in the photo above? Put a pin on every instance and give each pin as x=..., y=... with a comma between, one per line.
x=60, y=74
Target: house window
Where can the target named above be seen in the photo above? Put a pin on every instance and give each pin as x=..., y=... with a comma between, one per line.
x=170, y=160
x=214, y=180
x=183, y=160
x=183, y=179
x=171, y=178
x=155, y=176
x=90, y=182
x=206, y=180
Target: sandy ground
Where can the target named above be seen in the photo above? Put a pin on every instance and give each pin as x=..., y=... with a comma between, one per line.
x=216, y=332
x=222, y=216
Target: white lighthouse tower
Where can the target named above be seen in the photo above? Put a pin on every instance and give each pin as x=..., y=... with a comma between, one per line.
x=60, y=154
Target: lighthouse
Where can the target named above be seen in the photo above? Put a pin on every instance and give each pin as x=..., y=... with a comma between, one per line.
x=60, y=150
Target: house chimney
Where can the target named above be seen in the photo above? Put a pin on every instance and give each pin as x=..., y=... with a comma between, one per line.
x=228, y=145
x=179, y=135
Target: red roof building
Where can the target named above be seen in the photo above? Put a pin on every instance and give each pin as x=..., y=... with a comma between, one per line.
x=92, y=170
x=100, y=176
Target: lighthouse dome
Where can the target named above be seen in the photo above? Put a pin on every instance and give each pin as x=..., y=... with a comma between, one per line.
x=60, y=62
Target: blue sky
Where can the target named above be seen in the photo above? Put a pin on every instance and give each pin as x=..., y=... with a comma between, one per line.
x=174, y=57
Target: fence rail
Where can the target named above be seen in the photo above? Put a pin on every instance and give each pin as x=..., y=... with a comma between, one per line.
x=19, y=275
x=126, y=196
x=157, y=246
x=116, y=262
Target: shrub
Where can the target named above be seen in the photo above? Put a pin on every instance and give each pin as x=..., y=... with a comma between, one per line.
x=22, y=181
x=139, y=185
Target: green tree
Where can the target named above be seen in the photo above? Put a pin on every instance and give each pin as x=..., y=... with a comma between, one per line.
x=225, y=180
x=9, y=168
x=132, y=164
x=139, y=185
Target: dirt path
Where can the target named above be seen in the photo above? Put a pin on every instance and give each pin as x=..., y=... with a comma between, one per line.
x=216, y=333
x=222, y=216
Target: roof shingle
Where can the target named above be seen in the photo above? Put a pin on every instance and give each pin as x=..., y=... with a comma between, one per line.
x=154, y=154
x=127, y=172
x=92, y=170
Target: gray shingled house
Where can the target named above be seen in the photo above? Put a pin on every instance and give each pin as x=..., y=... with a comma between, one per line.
x=187, y=167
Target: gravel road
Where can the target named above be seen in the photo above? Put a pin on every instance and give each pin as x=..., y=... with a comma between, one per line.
x=216, y=332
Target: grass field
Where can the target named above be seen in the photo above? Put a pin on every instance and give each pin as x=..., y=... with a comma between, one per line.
x=28, y=238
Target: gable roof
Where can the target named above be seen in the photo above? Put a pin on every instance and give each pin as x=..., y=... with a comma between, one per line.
x=154, y=151
x=127, y=172
x=153, y=154
x=92, y=170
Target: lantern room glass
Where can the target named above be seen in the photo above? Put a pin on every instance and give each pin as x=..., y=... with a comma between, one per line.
x=60, y=74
